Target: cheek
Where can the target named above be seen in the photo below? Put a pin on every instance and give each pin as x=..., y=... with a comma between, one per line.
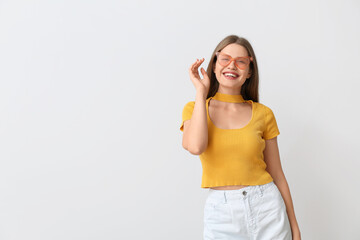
x=244, y=73
x=218, y=72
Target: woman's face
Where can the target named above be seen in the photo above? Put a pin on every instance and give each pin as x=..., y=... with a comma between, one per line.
x=234, y=50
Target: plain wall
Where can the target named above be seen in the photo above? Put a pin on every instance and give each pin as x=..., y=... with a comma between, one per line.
x=91, y=96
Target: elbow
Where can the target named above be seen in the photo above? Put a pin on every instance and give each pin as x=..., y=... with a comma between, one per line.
x=184, y=144
x=196, y=151
x=193, y=150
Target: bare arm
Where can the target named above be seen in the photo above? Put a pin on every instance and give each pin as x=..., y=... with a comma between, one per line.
x=195, y=136
x=272, y=159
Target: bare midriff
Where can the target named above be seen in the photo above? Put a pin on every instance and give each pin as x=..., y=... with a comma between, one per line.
x=233, y=187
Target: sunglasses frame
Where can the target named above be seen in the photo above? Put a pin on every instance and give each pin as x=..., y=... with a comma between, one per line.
x=234, y=59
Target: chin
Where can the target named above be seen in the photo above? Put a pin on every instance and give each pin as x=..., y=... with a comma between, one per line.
x=231, y=82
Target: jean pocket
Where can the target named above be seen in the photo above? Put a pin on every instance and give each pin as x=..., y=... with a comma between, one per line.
x=217, y=211
x=278, y=195
x=212, y=204
x=209, y=212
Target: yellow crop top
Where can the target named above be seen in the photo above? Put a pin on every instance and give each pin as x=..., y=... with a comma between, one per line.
x=235, y=156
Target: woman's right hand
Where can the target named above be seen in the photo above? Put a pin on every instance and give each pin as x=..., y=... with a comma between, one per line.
x=201, y=85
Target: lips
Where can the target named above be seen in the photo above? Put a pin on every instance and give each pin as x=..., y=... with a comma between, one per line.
x=231, y=77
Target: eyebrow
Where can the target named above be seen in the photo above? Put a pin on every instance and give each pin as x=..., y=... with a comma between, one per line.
x=231, y=56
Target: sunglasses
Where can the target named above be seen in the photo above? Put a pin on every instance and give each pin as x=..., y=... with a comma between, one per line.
x=240, y=62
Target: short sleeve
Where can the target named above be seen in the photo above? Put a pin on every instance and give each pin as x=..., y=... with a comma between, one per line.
x=187, y=113
x=271, y=129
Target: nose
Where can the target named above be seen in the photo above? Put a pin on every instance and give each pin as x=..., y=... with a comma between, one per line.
x=232, y=64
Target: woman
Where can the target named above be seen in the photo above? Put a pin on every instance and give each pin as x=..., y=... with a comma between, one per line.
x=236, y=138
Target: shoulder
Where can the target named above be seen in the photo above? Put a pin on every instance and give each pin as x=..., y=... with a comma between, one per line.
x=265, y=110
x=190, y=104
x=188, y=108
x=262, y=106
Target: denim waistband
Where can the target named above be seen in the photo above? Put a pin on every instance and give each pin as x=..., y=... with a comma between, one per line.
x=238, y=193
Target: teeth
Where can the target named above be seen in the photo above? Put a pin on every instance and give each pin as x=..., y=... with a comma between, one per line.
x=229, y=74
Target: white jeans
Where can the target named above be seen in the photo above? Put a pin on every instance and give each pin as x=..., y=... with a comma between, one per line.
x=253, y=212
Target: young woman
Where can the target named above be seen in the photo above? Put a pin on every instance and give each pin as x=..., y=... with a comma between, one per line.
x=236, y=138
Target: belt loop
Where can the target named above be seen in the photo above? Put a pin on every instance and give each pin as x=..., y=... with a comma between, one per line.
x=225, y=200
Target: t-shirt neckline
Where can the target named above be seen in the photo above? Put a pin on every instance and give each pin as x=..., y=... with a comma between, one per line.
x=231, y=129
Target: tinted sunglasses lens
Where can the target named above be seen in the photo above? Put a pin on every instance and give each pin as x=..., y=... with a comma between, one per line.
x=223, y=59
x=242, y=62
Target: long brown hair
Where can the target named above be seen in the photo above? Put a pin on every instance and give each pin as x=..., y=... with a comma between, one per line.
x=250, y=88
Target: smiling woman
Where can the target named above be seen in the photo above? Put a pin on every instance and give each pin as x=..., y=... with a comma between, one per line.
x=234, y=135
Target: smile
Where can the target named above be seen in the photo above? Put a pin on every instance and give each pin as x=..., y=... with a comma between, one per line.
x=230, y=76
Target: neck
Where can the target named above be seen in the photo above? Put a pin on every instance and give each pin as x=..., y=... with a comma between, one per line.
x=224, y=97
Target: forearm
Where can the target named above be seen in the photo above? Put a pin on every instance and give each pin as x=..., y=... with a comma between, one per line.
x=283, y=187
x=197, y=134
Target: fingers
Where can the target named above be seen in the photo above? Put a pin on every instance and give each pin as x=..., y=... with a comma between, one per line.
x=196, y=64
x=204, y=73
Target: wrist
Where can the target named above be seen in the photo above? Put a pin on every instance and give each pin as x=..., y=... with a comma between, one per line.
x=295, y=232
x=201, y=94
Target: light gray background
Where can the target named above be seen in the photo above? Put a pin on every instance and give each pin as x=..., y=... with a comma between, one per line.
x=91, y=96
